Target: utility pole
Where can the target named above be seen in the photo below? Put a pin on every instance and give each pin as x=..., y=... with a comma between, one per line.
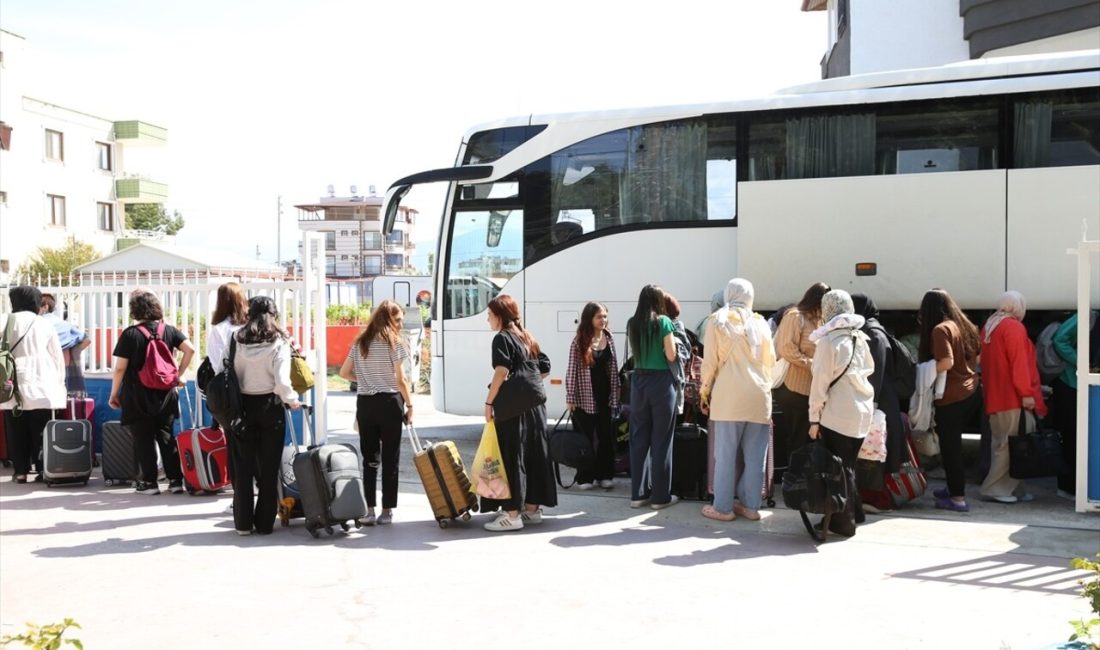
x=279, y=231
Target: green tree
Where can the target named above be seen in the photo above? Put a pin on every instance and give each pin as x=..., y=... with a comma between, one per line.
x=59, y=262
x=153, y=216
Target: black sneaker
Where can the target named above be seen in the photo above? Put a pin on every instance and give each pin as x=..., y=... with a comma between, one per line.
x=140, y=487
x=176, y=486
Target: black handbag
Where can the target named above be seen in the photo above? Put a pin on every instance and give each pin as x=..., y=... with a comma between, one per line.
x=521, y=391
x=223, y=395
x=570, y=448
x=625, y=373
x=815, y=483
x=1034, y=454
x=204, y=374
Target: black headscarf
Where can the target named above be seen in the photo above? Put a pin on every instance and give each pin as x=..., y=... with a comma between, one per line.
x=864, y=306
x=25, y=298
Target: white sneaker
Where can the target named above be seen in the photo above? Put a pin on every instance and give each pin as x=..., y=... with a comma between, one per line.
x=1067, y=495
x=531, y=518
x=607, y=484
x=673, y=500
x=584, y=486
x=639, y=503
x=503, y=523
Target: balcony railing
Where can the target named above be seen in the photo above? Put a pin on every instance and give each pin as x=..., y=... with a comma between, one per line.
x=140, y=190
x=138, y=132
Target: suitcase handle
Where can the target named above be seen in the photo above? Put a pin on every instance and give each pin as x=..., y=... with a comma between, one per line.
x=307, y=427
x=185, y=398
x=414, y=439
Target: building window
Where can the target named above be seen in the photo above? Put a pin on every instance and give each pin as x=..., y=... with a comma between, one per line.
x=330, y=241
x=343, y=233
x=103, y=156
x=395, y=262
x=372, y=241
x=396, y=238
x=343, y=257
x=106, y=213
x=372, y=265
x=3, y=198
x=57, y=210
x=330, y=265
x=55, y=145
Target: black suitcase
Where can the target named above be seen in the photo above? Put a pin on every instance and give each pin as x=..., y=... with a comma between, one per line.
x=67, y=452
x=119, y=463
x=689, y=462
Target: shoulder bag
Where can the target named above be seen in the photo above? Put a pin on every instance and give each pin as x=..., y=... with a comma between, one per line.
x=223, y=395
x=522, y=390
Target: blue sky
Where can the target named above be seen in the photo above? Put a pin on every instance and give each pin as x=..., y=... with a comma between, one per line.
x=271, y=98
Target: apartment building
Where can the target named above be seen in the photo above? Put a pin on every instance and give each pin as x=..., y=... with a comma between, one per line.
x=355, y=246
x=63, y=171
x=878, y=35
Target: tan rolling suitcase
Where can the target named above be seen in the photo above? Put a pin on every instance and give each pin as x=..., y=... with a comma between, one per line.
x=445, y=479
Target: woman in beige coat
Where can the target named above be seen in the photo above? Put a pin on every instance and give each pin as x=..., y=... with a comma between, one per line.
x=736, y=393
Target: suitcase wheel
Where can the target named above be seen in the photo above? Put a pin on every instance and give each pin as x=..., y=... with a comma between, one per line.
x=771, y=503
x=345, y=526
x=315, y=533
x=192, y=491
x=109, y=482
x=358, y=525
x=85, y=483
x=443, y=523
x=466, y=516
x=329, y=530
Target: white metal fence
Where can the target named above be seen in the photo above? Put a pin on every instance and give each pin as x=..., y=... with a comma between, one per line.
x=103, y=312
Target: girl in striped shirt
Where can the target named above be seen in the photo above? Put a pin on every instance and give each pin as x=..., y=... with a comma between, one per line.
x=376, y=362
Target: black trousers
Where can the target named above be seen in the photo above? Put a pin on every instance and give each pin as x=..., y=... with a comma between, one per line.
x=597, y=427
x=24, y=432
x=847, y=449
x=1064, y=419
x=951, y=419
x=523, y=450
x=380, y=418
x=151, y=432
x=792, y=426
x=258, y=451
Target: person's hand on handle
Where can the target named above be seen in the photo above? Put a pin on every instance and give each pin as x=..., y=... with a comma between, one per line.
x=815, y=431
x=409, y=413
x=294, y=406
x=1028, y=403
x=488, y=412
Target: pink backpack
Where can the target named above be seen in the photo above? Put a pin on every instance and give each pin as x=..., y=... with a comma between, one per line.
x=160, y=371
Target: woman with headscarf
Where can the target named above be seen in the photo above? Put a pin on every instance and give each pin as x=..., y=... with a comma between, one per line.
x=841, y=397
x=736, y=393
x=1010, y=378
x=882, y=380
x=39, y=380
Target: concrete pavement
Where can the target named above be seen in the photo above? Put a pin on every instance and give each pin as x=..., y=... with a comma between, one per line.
x=168, y=571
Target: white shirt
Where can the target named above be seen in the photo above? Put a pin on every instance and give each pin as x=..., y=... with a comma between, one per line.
x=217, y=342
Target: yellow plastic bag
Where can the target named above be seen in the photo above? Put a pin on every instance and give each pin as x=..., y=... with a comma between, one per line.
x=487, y=472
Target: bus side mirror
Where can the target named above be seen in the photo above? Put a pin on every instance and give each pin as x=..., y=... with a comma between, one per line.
x=393, y=202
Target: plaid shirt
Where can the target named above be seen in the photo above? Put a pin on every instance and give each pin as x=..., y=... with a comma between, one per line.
x=578, y=379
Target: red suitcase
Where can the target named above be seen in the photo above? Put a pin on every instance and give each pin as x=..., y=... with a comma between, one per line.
x=204, y=455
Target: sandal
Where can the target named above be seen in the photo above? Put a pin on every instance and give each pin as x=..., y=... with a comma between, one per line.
x=746, y=512
x=710, y=512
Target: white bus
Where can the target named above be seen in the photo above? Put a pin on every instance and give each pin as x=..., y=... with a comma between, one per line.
x=974, y=177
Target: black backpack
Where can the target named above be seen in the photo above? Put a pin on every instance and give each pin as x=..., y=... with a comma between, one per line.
x=223, y=395
x=905, y=366
x=815, y=483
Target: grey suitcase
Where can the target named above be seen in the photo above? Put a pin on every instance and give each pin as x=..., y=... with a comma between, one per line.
x=119, y=464
x=67, y=452
x=329, y=482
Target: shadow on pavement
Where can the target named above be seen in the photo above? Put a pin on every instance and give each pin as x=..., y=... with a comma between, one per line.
x=1005, y=571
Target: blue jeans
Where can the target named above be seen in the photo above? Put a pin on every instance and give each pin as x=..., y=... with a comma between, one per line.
x=652, y=418
x=751, y=438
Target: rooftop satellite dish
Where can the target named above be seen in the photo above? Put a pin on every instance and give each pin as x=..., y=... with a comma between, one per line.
x=372, y=192
x=354, y=190
x=331, y=190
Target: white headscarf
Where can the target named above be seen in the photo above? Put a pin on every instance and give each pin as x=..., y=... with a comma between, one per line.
x=739, y=297
x=1011, y=305
x=839, y=313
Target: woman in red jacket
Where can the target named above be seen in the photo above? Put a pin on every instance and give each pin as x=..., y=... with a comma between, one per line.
x=1010, y=380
